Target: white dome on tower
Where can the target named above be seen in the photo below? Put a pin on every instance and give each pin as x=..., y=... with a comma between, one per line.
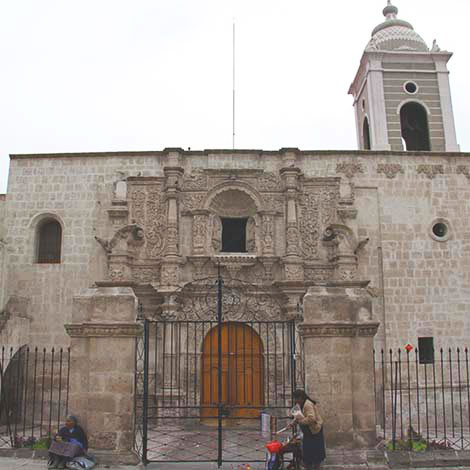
x=395, y=35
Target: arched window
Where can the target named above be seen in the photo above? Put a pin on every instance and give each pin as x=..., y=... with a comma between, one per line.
x=366, y=134
x=414, y=126
x=49, y=242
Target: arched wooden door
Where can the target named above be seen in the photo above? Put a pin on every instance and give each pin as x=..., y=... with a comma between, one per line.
x=242, y=372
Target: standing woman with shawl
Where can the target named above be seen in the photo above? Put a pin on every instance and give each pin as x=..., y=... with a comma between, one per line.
x=311, y=424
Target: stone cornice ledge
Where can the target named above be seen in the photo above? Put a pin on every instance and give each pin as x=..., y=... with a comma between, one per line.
x=101, y=330
x=346, y=330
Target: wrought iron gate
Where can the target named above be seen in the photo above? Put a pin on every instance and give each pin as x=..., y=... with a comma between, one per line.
x=207, y=369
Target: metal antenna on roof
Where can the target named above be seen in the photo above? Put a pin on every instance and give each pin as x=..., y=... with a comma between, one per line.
x=233, y=83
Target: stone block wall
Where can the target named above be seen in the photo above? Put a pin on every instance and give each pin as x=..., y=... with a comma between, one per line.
x=420, y=286
x=2, y=251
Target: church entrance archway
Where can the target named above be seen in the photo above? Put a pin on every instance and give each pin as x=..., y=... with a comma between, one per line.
x=242, y=373
x=216, y=354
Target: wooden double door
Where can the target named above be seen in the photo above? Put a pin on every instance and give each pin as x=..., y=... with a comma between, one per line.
x=242, y=373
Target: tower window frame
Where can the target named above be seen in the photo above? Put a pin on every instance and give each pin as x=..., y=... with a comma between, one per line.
x=414, y=125
x=366, y=134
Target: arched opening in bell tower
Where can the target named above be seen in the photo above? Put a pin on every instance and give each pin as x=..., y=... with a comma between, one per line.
x=366, y=134
x=414, y=127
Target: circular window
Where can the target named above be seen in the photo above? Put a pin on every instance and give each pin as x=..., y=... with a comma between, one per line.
x=440, y=230
x=411, y=88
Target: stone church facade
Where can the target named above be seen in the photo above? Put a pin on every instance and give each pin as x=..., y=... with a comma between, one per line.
x=383, y=224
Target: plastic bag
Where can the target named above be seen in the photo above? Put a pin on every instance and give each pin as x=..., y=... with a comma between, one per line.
x=81, y=463
x=273, y=461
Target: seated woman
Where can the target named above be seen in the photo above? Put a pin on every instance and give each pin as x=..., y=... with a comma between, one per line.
x=70, y=442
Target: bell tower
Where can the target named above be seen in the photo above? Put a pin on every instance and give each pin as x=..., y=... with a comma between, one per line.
x=401, y=91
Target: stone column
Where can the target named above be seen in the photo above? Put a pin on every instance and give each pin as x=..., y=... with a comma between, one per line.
x=338, y=332
x=292, y=261
x=172, y=260
x=103, y=332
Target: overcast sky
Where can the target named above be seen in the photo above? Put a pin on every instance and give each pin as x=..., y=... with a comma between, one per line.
x=116, y=75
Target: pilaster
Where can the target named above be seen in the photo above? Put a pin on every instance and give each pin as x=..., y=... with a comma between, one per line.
x=338, y=332
x=293, y=263
x=103, y=332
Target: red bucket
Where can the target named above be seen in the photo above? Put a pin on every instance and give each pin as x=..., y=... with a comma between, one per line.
x=274, y=447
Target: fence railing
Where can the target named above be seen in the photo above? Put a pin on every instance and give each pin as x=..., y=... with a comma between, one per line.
x=423, y=398
x=34, y=393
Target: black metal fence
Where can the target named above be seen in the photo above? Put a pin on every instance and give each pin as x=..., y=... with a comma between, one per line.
x=423, y=399
x=213, y=368
x=185, y=418
x=34, y=385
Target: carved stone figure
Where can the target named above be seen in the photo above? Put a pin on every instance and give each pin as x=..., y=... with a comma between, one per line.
x=199, y=233
x=251, y=235
x=216, y=240
x=130, y=234
x=268, y=234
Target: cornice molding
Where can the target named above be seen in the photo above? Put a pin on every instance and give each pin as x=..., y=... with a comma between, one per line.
x=103, y=330
x=341, y=330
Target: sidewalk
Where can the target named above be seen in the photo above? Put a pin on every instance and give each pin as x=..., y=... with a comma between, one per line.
x=336, y=460
x=12, y=463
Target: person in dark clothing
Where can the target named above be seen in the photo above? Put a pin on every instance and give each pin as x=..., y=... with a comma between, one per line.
x=311, y=424
x=70, y=442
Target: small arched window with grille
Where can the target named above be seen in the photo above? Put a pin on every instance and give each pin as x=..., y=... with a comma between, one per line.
x=49, y=242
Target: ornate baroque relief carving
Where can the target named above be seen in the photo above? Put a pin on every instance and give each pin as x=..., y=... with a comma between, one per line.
x=268, y=234
x=192, y=201
x=148, y=210
x=196, y=181
x=431, y=171
x=216, y=239
x=294, y=272
x=169, y=275
x=318, y=274
x=251, y=235
x=274, y=202
x=155, y=222
x=292, y=238
x=349, y=169
x=390, y=170
x=94, y=330
x=199, y=233
x=464, y=170
x=309, y=223
x=317, y=210
x=345, y=329
x=269, y=182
